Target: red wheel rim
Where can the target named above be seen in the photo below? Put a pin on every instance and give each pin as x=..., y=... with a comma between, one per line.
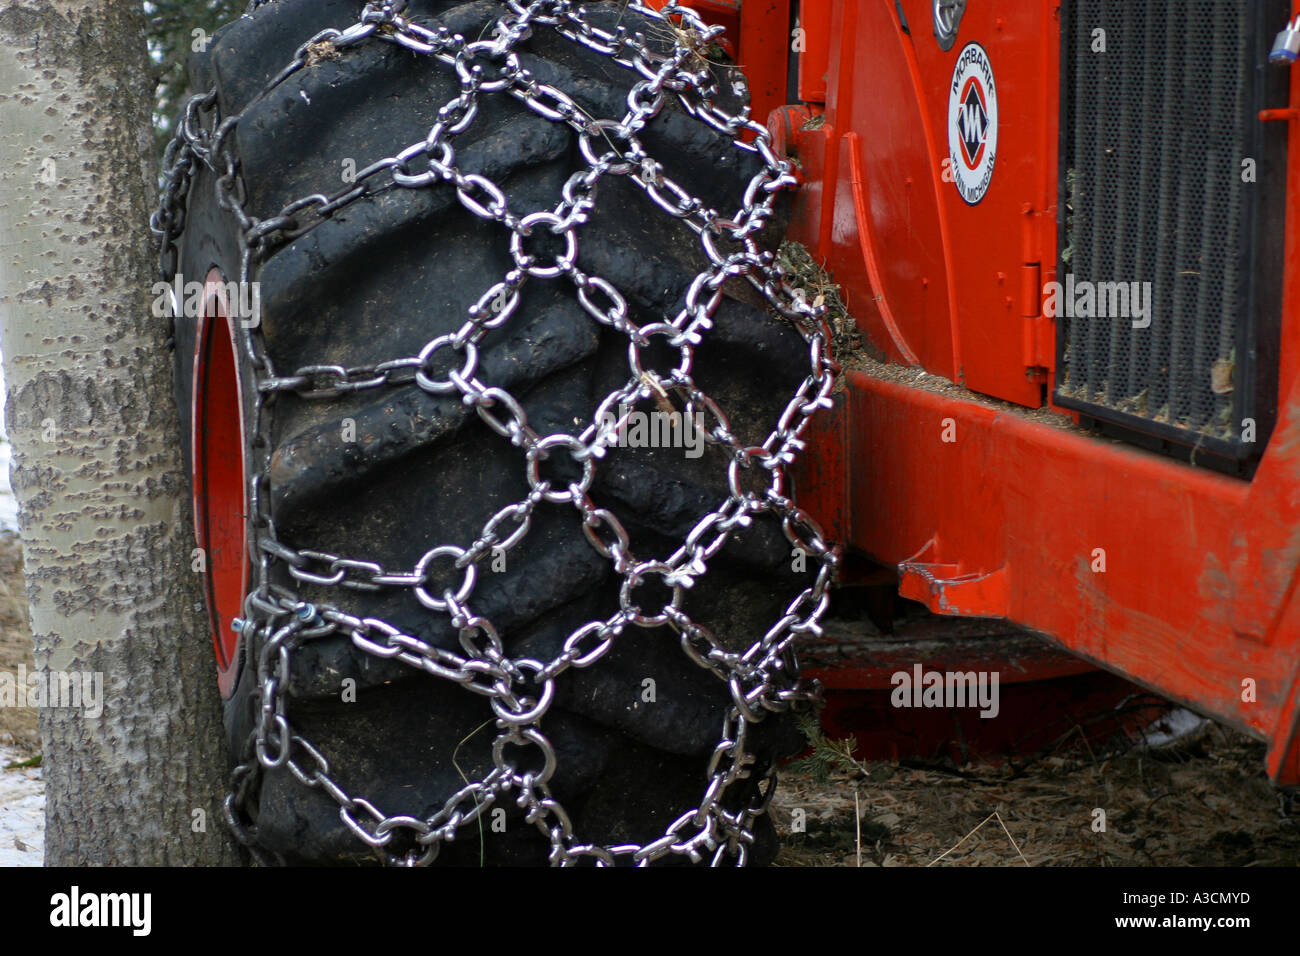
x=217, y=476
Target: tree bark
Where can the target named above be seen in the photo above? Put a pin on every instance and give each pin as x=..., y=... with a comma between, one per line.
x=98, y=473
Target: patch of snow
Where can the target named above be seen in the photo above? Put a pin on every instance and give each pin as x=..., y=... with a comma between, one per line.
x=1172, y=726
x=8, y=503
x=22, y=813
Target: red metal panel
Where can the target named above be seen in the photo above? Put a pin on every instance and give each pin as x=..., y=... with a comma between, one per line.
x=722, y=13
x=935, y=281
x=814, y=59
x=819, y=480
x=888, y=235
x=1266, y=558
x=759, y=41
x=994, y=244
x=763, y=52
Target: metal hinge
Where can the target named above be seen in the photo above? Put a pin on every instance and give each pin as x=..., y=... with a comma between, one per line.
x=1037, y=339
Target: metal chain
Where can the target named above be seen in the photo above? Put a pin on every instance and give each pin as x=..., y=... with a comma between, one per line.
x=762, y=680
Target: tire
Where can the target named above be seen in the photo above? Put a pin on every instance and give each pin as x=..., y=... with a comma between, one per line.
x=378, y=281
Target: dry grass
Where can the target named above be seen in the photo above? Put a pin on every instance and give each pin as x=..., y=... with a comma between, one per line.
x=1200, y=801
x=855, y=353
x=803, y=272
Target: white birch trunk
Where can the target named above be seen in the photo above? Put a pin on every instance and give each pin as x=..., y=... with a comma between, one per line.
x=97, y=465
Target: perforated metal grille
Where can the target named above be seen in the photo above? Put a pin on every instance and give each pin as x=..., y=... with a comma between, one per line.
x=1160, y=149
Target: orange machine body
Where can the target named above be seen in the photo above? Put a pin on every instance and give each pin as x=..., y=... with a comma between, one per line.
x=1180, y=578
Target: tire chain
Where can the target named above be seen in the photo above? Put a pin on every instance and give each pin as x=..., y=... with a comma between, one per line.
x=276, y=621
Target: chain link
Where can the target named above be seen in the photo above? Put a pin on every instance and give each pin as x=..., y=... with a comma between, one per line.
x=762, y=680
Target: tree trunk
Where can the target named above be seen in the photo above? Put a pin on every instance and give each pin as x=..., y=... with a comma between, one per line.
x=98, y=472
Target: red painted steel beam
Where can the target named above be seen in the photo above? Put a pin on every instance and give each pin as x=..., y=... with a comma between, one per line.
x=758, y=37
x=1124, y=557
x=815, y=49
x=763, y=53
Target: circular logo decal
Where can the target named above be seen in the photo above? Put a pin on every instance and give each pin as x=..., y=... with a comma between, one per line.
x=972, y=123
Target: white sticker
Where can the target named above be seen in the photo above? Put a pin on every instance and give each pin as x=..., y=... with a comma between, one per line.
x=972, y=123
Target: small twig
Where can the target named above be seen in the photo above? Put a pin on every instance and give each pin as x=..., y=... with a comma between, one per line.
x=857, y=823
x=1168, y=793
x=1083, y=735
x=1010, y=837
x=482, y=849
x=973, y=832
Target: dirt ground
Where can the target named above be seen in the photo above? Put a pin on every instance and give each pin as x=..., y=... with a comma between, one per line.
x=1202, y=799
x=1199, y=800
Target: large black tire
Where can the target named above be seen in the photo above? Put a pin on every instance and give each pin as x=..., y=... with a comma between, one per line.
x=378, y=281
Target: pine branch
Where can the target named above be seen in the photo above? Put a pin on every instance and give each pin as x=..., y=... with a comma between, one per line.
x=827, y=756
